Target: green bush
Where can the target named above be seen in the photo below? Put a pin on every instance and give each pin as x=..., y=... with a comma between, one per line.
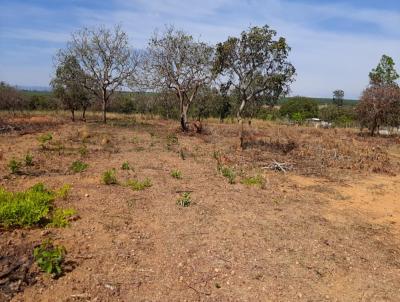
x=78, y=166
x=28, y=160
x=14, y=166
x=176, y=174
x=63, y=192
x=25, y=209
x=185, y=200
x=50, y=258
x=137, y=185
x=109, y=177
x=59, y=218
x=44, y=139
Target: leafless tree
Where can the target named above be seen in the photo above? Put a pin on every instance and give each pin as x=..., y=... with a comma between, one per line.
x=10, y=98
x=106, y=58
x=176, y=62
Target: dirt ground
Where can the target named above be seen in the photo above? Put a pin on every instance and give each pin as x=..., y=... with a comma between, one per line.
x=327, y=230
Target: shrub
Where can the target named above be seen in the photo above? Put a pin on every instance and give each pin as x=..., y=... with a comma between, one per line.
x=109, y=177
x=28, y=160
x=50, y=258
x=176, y=174
x=59, y=219
x=44, y=139
x=228, y=173
x=184, y=200
x=25, y=209
x=137, y=185
x=63, y=192
x=254, y=181
x=14, y=166
x=78, y=166
x=125, y=166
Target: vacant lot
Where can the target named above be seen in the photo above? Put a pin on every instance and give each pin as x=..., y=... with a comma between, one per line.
x=301, y=214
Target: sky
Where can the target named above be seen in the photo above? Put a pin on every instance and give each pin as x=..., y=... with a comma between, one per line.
x=334, y=43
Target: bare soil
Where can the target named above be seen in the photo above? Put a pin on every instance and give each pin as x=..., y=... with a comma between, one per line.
x=328, y=230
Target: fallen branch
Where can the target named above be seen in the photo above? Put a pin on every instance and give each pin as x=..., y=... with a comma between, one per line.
x=276, y=166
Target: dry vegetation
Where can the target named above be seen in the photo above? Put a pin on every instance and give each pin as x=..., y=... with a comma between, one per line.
x=324, y=229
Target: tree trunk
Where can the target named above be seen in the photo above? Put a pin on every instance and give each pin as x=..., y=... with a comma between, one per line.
x=84, y=114
x=184, y=121
x=73, y=115
x=240, y=121
x=104, y=106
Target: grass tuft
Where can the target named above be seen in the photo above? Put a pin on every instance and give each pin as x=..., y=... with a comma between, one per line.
x=78, y=166
x=109, y=177
x=137, y=185
x=185, y=200
x=176, y=174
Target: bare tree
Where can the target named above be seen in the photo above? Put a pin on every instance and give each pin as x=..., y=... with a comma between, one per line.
x=10, y=98
x=256, y=66
x=176, y=62
x=106, y=58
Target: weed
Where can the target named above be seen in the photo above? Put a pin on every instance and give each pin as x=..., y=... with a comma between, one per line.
x=125, y=166
x=63, y=192
x=176, y=174
x=25, y=209
x=50, y=258
x=254, y=181
x=228, y=173
x=14, y=166
x=109, y=177
x=137, y=185
x=217, y=155
x=28, y=160
x=59, y=219
x=135, y=140
x=78, y=166
x=44, y=139
x=83, y=150
x=185, y=200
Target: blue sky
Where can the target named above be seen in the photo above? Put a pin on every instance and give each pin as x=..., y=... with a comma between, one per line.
x=334, y=43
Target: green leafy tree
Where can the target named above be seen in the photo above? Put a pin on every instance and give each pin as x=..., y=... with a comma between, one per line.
x=385, y=73
x=338, y=97
x=256, y=66
x=67, y=86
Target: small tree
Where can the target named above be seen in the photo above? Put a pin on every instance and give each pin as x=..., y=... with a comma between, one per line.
x=256, y=65
x=338, y=97
x=379, y=106
x=106, y=58
x=385, y=73
x=67, y=86
x=176, y=62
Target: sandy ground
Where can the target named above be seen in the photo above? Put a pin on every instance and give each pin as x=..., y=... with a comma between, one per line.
x=299, y=237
